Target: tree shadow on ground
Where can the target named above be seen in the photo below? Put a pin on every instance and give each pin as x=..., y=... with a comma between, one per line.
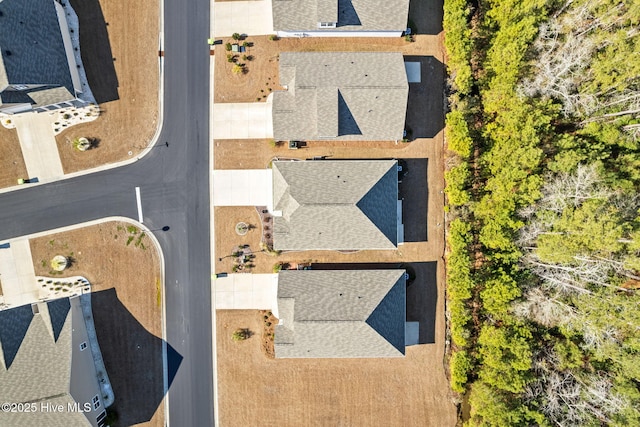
x=425, y=104
x=95, y=50
x=133, y=359
x=422, y=291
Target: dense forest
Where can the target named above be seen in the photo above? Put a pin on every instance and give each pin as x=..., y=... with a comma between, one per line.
x=543, y=180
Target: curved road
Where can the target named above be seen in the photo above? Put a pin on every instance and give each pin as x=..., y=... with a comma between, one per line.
x=174, y=187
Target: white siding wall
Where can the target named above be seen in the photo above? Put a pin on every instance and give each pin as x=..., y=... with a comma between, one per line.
x=339, y=33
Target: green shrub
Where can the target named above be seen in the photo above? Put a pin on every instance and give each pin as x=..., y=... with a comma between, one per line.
x=457, y=179
x=459, y=366
x=457, y=134
x=241, y=334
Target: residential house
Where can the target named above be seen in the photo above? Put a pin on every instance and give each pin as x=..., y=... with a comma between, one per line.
x=341, y=313
x=355, y=96
x=47, y=364
x=37, y=62
x=340, y=18
x=336, y=205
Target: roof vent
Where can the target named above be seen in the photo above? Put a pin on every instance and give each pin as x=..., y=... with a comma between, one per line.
x=7, y=52
x=35, y=309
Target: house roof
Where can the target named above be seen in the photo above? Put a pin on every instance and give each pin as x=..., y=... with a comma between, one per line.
x=35, y=362
x=32, y=51
x=341, y=313
x=335, y=205
x=341, y=95
x=350, y=15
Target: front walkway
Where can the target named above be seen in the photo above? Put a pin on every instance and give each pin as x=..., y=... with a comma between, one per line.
x=252, y=18
x=246, y=292
x=38, y=144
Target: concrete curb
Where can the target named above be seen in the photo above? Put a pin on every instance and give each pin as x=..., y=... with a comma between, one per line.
x=214, y=354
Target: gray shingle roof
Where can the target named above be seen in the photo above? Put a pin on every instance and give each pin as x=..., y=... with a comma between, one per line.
x=31, y=48
x=335, y=205
x=350, y=15
x=341, y=313
x=341, y=95
x=40, y=369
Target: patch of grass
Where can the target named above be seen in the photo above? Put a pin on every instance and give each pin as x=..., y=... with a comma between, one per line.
x=139, y=243
x=129, y=240
x=158, y=292
x=132, y=229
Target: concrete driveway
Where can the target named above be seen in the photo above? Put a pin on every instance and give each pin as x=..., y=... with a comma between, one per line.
x=38, y=144
x=243, y=120
x=243, y=17
x=246, y=292
x=19, y=284
x=249, y=187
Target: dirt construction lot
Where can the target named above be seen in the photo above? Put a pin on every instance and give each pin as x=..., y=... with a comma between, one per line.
x=126, y=301
x=256, y=390
x=119, y=45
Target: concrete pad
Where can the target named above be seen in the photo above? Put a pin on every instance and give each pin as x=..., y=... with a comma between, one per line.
x=38, y=144
x=411, y=333
x=247, y=187
x=246, y=292
x=253, y=18
x=413, y=71
x=250, y=120
x=19, y=283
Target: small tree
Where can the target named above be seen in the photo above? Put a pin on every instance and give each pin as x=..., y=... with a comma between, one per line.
x=81, y=143
x=241, y=334
x=235, y=36
x=59, y=263
x=238, y=69
x=227, y=47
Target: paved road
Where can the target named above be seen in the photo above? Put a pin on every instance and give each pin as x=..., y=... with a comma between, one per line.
x=174, y=186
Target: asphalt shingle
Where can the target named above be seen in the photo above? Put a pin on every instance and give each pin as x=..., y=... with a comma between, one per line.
x=335, y=205
x=350, y=15
x=371, y=90
x=32, y=51
x=341, y=313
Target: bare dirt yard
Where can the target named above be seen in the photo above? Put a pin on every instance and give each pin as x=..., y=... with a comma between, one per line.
x=257, y=390
x=126, y=301
x=12, y=164
x=119, y=45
